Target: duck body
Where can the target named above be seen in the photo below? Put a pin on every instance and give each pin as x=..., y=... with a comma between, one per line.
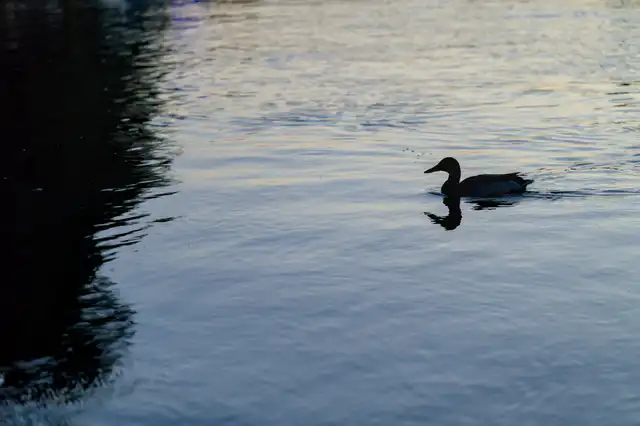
x=486, y=185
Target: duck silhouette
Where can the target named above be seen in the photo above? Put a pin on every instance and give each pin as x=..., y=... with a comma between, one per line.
x=486, y=185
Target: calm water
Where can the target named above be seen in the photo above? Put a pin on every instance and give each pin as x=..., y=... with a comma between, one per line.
x=216, y=214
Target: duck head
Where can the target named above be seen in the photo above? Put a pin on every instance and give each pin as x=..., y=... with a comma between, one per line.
x=448, y=164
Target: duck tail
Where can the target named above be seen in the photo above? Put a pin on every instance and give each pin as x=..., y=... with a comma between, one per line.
x=522, y=181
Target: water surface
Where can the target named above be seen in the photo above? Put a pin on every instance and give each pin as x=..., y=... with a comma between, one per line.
x=311, y=273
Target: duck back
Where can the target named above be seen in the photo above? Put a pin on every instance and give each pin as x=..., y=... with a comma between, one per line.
x=493, y=185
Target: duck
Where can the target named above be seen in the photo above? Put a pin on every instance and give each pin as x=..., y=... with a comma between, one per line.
x=486, y=185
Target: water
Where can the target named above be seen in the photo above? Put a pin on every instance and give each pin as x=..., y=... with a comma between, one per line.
x=216, y=213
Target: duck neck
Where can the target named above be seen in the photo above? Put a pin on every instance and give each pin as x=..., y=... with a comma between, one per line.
x=454, y=177
x=450, y=187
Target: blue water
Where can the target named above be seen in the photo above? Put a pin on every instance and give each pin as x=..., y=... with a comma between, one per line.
x=289, y=263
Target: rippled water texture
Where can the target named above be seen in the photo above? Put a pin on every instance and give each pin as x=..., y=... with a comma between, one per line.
x=216, y=213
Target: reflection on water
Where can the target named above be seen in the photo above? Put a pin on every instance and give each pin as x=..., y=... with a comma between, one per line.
x=453, y=218
x=492, y=204
x=80, y=91
x=300, y=289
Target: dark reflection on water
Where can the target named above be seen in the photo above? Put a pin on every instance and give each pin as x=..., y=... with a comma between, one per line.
x=79, y=92
x=453, y=219
x=492, y=204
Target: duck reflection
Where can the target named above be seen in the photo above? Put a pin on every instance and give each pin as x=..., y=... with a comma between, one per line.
x=454, y=217
x=492, y=204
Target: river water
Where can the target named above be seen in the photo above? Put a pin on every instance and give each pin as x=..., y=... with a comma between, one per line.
x=216, y=213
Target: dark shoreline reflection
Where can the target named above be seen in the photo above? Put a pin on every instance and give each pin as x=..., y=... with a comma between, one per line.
x=79, y=87
x=453, y=219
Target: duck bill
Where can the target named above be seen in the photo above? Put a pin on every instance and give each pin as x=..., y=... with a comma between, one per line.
x=433, y=169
